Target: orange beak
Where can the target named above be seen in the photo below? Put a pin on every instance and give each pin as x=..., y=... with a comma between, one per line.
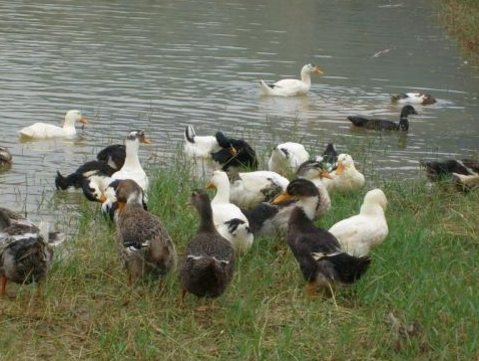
x=233, y=151
x=325, y=174
x=283, y=197
x=318, y=71
x=210, y=185
x=103, y=199
x=340, y=169
x=146, y=141
x=83, y=120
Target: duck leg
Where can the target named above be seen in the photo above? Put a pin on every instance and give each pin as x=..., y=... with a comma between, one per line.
x=183, y=295
x=3, y=281
x=39, y=290
x=310, y=287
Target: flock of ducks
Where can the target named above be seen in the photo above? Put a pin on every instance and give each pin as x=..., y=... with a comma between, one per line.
x=284, y=200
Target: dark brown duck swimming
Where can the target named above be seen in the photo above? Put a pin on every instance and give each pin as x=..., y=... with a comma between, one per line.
x=382, y=124
x=208, y=262
x=143, y=243
x=319, y=254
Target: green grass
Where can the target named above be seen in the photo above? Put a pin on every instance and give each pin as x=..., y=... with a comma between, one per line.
x=425, y=274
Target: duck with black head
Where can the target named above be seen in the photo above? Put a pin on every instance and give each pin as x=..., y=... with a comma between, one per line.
x=382, y=124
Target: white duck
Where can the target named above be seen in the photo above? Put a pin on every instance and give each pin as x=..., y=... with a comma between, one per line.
x=292, y=87
x=251, y=188
x=229, y=221
x=346, y=178
x=132, y=168
x=287, y=157
x=413, y=98
x=369, y=228
x=199, y=146
x=45, y=131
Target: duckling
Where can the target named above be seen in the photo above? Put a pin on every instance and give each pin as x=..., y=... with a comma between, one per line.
x=267, y=219
x=229, y=220
x=114, y=155
x=413, y=98
x=292, y=87
x=132, y=168
x=25, y=250
x=321, y=259
x=45, y=131
x=251, y=188
x=209, y=260
x=287, y=157
x=358, y=234
x=5, y=156
x=143, y=242
x=346, y=178
x=85, y=171
x=437, y=170
x=381, y=124
x=329, y=157
x=235, y=153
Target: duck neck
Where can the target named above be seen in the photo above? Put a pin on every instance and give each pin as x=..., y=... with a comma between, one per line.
x=404, y=123
x=306, y=77
x=69, y=125
x=206, y=218
x=222, y=192
x=372, y=210
x=132, y=160
x=299, y=220
x=309, y=206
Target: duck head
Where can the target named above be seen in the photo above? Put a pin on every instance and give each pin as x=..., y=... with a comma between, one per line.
x=427, y=99
x=345, y=162
x=72, y=117
x=311, y=68
x=408, y=110
x=128, y=192
x=304, y=192
x=312, y=169
x=375, y=197
x=138, y=135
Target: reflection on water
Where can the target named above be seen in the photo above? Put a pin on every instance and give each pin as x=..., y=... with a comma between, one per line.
x=161, y=65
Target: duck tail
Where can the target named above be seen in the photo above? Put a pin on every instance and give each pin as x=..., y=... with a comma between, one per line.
x=358, y=121
x=222, y=140
x=62, y=182
x=265, y=88
x=347, y=268
x=395, y=98
x=190, y=134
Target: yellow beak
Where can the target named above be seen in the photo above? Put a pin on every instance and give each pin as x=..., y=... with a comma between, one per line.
x=146, y=140
x=340, y=168
x=283, y=197
x=318, y=71
x=210, y=185
x=83, y=120
x=325, y=174
x=103, y=199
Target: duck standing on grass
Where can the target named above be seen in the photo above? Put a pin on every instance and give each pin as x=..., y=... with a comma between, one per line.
x=382, y=124
x=287, y=157
x=209, y=260
x=143, y=242
x=26, y=251
x=45, y=131
x=358, y=234
x=346, y=178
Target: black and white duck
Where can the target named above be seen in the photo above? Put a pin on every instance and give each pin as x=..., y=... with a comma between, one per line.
x=329, y=157
x=83, y=173
x=144, y=245
x=234, y=153
x=208, y=262
x=321, y=259
x=382, y=124
x=436, y=170
x=114, y=155
x=413, y=98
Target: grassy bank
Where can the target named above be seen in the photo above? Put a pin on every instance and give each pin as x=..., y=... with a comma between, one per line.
x=461, y=18
x=424, y=277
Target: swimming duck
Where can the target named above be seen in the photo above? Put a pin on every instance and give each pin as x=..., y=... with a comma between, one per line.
x=234, y=153
x=313, y=171
x=329, y=157
x=209, y=260
x=292, y=87
x=357, y=234
x=229, y=220
x=77, y=179
x=251, y=188
x=321, y=259
x=132, y=168
x=437, y=170
x=413, y=98
x=346, y=178
x=26, y=251
x=143, y=242
x=45, y=131
x=287, y=157
x=267, y=219
x=114, y=155
x=381, y=124
x=5, y=156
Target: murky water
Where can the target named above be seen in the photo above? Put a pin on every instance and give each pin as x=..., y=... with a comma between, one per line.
x=161, y=65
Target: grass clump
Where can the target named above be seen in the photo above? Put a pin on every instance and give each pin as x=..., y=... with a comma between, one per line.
x=418, y=300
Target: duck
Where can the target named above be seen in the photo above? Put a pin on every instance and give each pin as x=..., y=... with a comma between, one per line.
x=346, y=178
x=248, y=189
x=287, y=157
x=321, y=259
x=114, y=155
x=5, y=156
x=292, y=87
x=329, y=157
x=87, y=170
x=438, y=170
x=199, y=147
x=466, y=182
x=229, y=220
x=234, y=154
x=209, y=259
x=144, y=245
x=381, y=124
x=132, y=168
x=46, y=131
x=26, y=251
x=359, y=233
x=272, y=218
x=313, y=171
x=413, y=98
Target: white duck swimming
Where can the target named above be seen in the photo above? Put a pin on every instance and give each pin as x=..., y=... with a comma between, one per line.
x=413, y=98
x=346, y=178
x=287, y=157
x=45, y=131
x=369, y=228
x=292, y=87
x=229, y=221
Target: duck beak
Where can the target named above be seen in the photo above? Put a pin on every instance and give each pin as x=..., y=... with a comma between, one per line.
x=283, y=197
x=83, y=121
x=103, y=199
x=210, y=185
x=325, y=174
x=233, y=151
x=340, y=168
x=318, y=71
x=146, y=141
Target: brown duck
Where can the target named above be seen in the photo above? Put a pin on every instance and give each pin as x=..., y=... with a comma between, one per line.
x=143, y=243
x=209, y=260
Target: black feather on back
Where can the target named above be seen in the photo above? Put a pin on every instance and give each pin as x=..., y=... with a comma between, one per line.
x=244, y=158
x=115, y=152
